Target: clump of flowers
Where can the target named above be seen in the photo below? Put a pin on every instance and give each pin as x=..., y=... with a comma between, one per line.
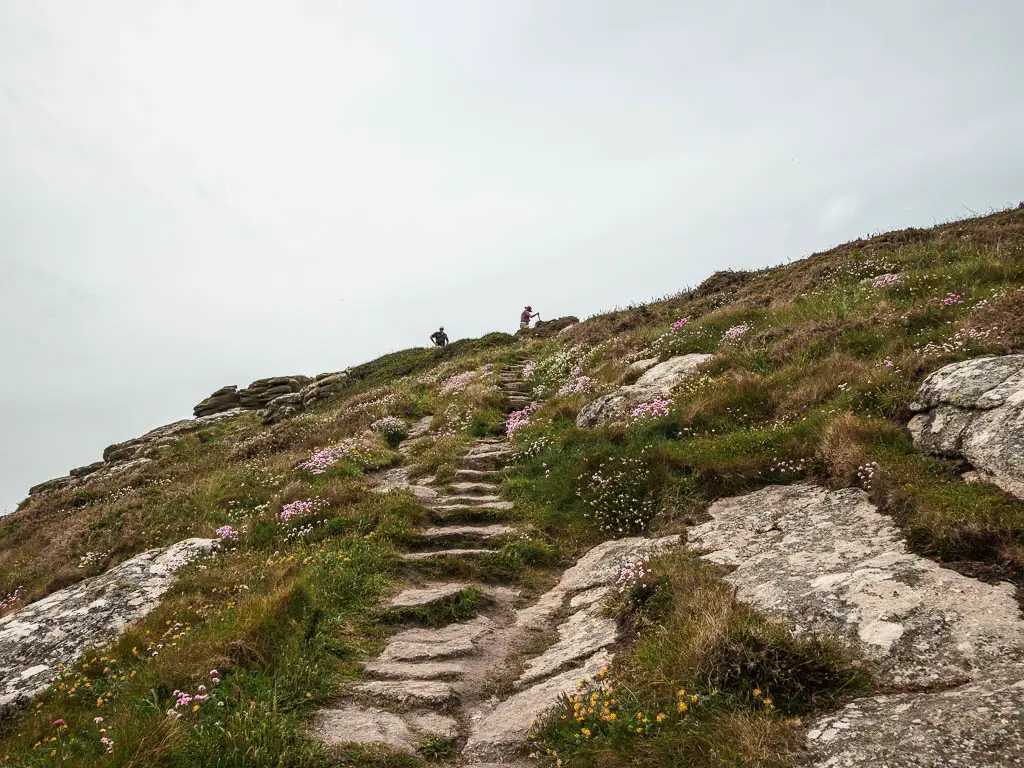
x=576, y=383
x=631, y=574
x=959, y=341
x=227, y=533
x=951, y=299
x=888, y=280
x=519, y=419
x=458, y=382
x=90, y=559
x=11, y=598
x=787, y=468
x=325, y=459
x=529, y=369
x=679, y=324
x=866, y=474
x=616, y=495
x=657, y=408
x=736, y=332
x=888, y=363
x=391, y=428
x=301, y=507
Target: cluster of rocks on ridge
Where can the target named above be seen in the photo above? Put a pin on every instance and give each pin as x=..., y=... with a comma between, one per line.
x=54, y=631
x=974, y=410
x=122, y=457
x=657, y=380
x=279, y=397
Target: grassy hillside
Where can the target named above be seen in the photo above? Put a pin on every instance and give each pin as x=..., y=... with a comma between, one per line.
x=815, y=365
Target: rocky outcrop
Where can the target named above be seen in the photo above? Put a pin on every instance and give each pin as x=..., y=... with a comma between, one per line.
x=323, y=387
x=657, y=381
x=974, y=726
x=545, y=328
x=283, y=407
x=827, y=562
x=259, y=394
x=974, y=410
x=56, y=629
x=224, y=399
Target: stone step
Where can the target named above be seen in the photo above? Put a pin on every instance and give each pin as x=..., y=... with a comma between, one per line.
x=488, y=502
x=411, y=557
x=355, y=724
x=475, y=475
x=474, y=489
x=485, y=461
x=493, y=506
x=427, y=594
x=431, y=693
x=403, y=670
x=460, y=532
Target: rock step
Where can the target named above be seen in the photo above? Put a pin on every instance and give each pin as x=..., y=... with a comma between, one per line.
x=476, y=475
x=410, y=557
x=428, y=594
x=461, y=507
x=401, y=670
x=431, y=693
x=458, y=532
x=474, y=489
x=443, y=500
x=485, y=461
x=355, y=724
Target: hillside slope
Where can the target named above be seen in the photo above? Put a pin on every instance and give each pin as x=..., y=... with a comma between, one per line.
x=763, y=416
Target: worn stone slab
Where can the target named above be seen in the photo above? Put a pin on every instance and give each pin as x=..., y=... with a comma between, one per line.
x=581, y=635
x=829, y=563
x=431, y=693
x=504, y=729
x=398, y=670
x=484, y=461
x=415, y=597
x=974, y=410
x=356, y=724
x=411, y=557
x=446, y=500
x=658, y=381
x=419, y=650
x=492, y=505
x=56, y=629
x=977, y=726
x=476, y=475
x=482, y=532
x=473, y=489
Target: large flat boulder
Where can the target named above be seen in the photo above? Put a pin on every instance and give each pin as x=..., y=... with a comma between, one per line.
x=829, y=563
x=657, y=381
x=35, y=639
x=974, y=410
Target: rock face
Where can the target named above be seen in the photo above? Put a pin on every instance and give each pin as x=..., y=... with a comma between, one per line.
x=657, y=381
x=975, y=726
x=829, y=562
x=259, y=394
x=56, y=629
x=224, y=399
x=974, y=410
x=283, y=407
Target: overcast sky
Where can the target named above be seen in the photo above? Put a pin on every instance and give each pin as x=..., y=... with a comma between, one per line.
x=194, y=194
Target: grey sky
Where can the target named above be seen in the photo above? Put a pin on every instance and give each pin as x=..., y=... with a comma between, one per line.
x=201, y=193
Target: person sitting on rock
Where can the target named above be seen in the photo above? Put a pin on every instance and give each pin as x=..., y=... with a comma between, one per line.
x=524, y=319
x=439, y=337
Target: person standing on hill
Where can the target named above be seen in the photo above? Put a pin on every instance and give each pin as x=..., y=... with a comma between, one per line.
x=524, y=319
x=439, y=337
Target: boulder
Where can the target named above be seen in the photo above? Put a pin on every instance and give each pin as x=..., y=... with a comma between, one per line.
x=658, y=381
x=324, y=387
x=259, y=394
x=974, y=410
x=55, y=630
x=283, y=407
x=224, y=399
